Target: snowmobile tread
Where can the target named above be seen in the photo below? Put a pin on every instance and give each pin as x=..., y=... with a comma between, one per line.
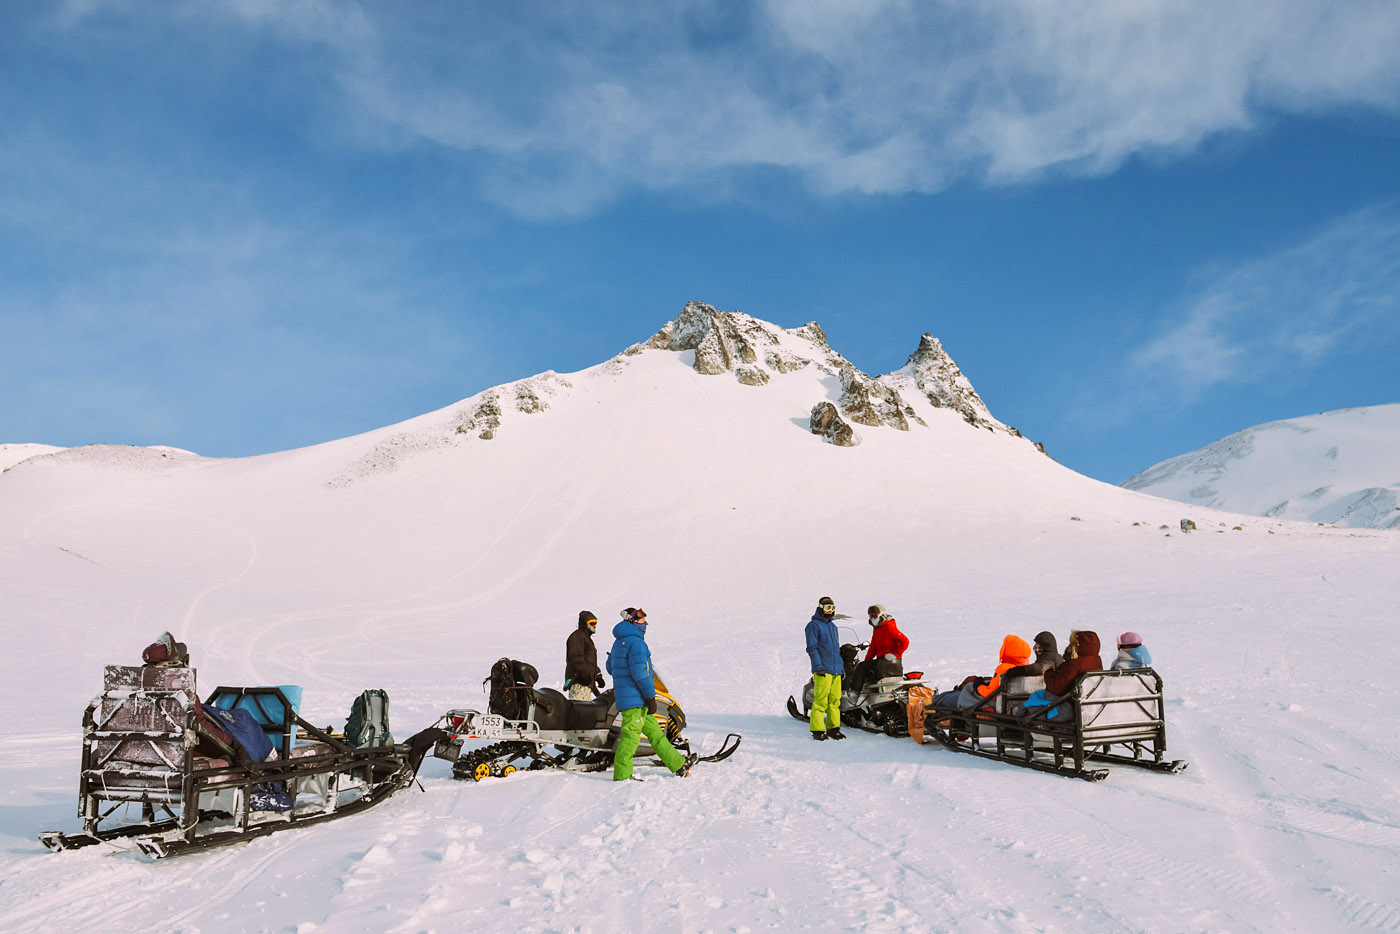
x=497, y=753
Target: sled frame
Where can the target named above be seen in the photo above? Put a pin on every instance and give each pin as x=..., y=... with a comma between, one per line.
x=1112, y=717
x=139, y=739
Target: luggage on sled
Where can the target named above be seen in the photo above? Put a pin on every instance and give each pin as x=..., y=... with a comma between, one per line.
x=172, y=775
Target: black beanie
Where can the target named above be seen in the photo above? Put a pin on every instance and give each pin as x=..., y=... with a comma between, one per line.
x=825, y=600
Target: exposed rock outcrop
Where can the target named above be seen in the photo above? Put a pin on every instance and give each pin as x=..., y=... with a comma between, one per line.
x=721, y=340
x=943, y=384
x=751, y=375
x=828, y=423
x=868, y=401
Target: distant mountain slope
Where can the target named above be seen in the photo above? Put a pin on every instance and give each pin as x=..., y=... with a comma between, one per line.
x=1340, y=467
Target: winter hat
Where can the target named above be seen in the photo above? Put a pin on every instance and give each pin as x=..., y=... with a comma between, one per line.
x=1127, y=640
x=630, y=612
x=821, y=600
x=1014, y=651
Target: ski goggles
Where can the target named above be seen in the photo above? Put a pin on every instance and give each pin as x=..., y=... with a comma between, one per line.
x=827, y=607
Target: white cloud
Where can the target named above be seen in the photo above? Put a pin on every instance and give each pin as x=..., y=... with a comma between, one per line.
x=572, y=103
x=1336, y=293
x=872, y=97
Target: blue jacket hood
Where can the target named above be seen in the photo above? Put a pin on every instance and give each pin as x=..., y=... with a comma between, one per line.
x=628, y=628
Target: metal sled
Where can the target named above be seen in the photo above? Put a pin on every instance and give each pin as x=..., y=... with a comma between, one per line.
x=147, y=745
x=1114, y=717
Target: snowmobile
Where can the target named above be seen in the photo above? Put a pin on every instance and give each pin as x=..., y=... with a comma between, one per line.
x=879, y=705
x=1113, y=717
x=242, y=765
x=539, y=728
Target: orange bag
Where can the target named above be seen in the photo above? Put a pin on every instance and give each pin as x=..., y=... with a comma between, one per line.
x=920, y=696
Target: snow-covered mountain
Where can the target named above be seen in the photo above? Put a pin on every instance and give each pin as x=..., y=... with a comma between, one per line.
x=1340, y=467
x=684, y=475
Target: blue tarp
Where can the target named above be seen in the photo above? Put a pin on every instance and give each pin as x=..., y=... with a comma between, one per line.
x=246, y=731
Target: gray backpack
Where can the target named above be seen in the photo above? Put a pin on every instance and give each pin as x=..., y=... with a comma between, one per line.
x=368, y=724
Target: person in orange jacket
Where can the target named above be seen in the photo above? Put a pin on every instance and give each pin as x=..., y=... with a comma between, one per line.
x=1014, y=651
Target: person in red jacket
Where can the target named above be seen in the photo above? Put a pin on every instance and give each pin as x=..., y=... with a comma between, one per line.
x=887, y=645
x=1082, y=655
x=886, y=639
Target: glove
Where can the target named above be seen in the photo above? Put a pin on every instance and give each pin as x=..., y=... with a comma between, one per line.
x=651, y=705
x=599, y=681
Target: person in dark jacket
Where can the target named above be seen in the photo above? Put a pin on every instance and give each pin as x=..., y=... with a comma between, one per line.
x=634, y=686
x=1047, y=655
x=581, y=674
x=824, y=650
x=1081, y=655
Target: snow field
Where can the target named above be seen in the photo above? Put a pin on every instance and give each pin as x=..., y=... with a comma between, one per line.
x=705, y=501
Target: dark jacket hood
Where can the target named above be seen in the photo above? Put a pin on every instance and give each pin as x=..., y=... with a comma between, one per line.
x=1047, y=639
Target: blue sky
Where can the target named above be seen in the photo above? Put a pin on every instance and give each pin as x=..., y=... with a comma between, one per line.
x=246, y=225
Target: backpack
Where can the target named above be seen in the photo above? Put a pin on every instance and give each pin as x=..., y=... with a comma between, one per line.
x=368, y=723
x=512, y=685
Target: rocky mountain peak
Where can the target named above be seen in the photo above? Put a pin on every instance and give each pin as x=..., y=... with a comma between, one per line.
x=944, y=385
x=754, y=350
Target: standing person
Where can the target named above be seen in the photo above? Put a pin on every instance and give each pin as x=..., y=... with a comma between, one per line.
x=824, y=649
x=634, y=686
x=581, y=674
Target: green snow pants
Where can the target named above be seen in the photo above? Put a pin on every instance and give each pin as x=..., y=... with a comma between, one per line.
x=636, y=723
x=826, y=703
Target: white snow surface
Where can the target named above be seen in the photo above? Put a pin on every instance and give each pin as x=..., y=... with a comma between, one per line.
x=413, y=557
x=1341, y=468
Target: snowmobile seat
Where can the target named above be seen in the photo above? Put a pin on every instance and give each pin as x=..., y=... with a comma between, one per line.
x=588, y=715
x=549, y=709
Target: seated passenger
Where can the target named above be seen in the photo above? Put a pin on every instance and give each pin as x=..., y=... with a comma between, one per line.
x=1014, y=652
x=887, y=644
x=1047, y=655
x=1081, y=655
x=1131, y=652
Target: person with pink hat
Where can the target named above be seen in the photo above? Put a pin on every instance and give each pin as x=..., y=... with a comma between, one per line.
x=1131, y=652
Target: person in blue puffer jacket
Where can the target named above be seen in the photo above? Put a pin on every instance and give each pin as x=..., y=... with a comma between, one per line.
x=824, y=649
x=634, y=687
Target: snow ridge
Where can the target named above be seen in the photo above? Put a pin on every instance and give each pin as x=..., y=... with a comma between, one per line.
x=1340, y=468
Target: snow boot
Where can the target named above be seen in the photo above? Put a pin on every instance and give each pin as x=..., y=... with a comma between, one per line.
x=684, y=770
x=835, y=733
x=819, y=734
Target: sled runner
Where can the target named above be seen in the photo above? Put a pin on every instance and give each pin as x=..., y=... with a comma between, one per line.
x=1113, y=717
x=540, y=728
x=243, y=765
x=878, y=706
